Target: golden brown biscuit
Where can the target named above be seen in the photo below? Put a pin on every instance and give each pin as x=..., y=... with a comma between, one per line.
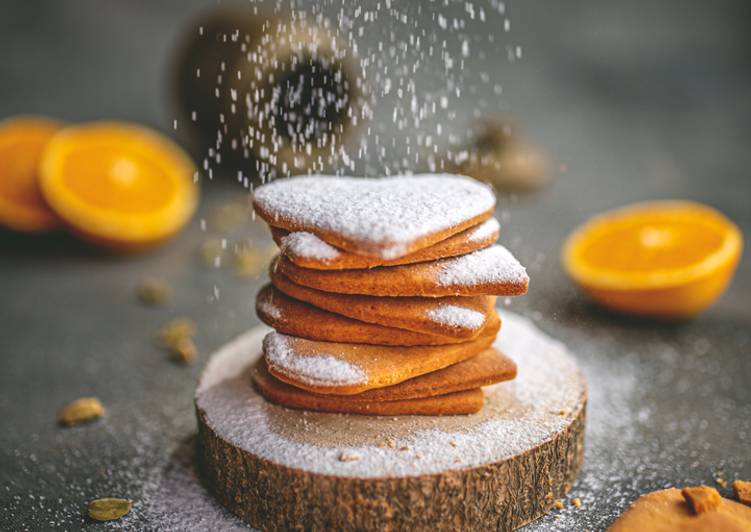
x=346, y=369
x=308, y=251
x=460, y=317
x=487, y=367
x=385, y=217
x=276, y=391
x=293, y=317
x=667, y=511
x=489, y=271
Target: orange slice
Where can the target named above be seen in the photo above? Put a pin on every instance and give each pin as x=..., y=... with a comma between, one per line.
x=119, y=185
x=22, y=141
x=668, y=258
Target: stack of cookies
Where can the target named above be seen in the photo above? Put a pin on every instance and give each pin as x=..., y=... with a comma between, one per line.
x=383, y=296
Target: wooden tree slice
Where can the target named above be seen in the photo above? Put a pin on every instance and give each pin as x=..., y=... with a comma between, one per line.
x=281, y=469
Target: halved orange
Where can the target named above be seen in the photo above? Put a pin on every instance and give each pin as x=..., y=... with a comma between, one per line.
x=119, y=185
x=22, y=141
x=665, y=258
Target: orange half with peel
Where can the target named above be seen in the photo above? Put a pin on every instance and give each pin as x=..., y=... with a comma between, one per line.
x=22, y=141
x=665, y=258
x=119, y=185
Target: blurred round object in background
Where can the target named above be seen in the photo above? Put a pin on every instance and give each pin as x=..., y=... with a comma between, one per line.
x=22, y=140
x=498, y=156
x=118, y=185
x=667, y=258
x=284, y=92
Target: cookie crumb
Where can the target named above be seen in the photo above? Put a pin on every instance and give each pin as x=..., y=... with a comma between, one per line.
x=184, y=351
x=176, y=331
x=742, y=490
x=82, y=410
x=404, y=448
x=348, y=457
x=558, y=504
x=702, y=498
x=152, y=292
x=577, y=502
x=452, y=443
x=721, y=482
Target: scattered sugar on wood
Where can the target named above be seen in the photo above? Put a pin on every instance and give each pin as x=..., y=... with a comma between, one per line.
x=548, y=380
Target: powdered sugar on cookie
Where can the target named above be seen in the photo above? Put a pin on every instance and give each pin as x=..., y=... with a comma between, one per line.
x=309, y=246
x=485, y=230
x=379, y=216
x=456, y=316
x=495, y=264
x=316, y=370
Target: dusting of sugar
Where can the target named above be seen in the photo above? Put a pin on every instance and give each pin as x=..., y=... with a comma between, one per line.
x=319, y=369
x=308, y=245
x=485, y=230
x=494, y=264
x=385, y=215
x=517, y=416
x=267, y=306
x=456, y=316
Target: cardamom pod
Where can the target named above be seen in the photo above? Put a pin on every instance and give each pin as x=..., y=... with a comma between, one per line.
x=109, y=509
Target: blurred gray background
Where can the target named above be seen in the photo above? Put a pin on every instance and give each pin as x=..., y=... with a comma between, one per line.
x=629, y=100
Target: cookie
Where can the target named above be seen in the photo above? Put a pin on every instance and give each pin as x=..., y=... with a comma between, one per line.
x=276, y=391
x=386, y=217
x=489, y=271
x=453, y=316
x=295, y=318
x=346, y=369
x=487, y=367
x=308, y=251
x=667, y=511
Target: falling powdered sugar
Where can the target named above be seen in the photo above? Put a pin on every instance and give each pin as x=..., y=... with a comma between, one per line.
x=495, y=264
x=308, y=245
x=485, y=230
x=317, y=370
x=456, y=316
x=381, y=216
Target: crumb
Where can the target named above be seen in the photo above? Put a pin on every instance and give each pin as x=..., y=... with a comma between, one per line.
x=387, y=442
x=742, y=490
x=452, y=443
x=175, y=331
x=152, y=292
x=558, y=505
x=721, y=482
x=348, y=457
x=577, y=502
x=404, y=448
x=702, y=498
x=184, y=351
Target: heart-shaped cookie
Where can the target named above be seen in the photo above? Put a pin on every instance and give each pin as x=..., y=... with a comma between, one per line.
x=295, y=318
x=385, y=217
x=308, y=251
x=493, y=270
x=460, y=317
x=345, y=369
